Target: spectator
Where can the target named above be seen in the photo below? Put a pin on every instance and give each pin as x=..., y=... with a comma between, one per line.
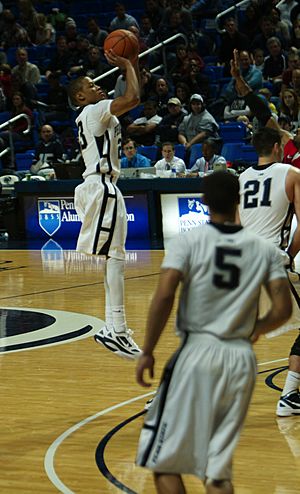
x=148, y=83
x=236, y=108
x=266, y=93
x=170, y=161
x=285, y=8
x=71, y=33
x=185, y=15
x=292, y=151
x=259, y=59
x=289, y=107
x=250, y=74
x=96, y=35
x=183, y=93
x=61, y=60
x=132, y=158
x=195, y=79
x=49, y=150
x=295, y=34
x=44, y=32
x=250, y=22
x=295, y=83
x=26, y=16
x=57, y=100
x=181, y=67
x=275, y=64
x=209, y=160
x=267, y=30
x=282, y=27
x=198, y=125
x=161, y=96
x=6, y=80
x=143, y=129
x=17, y=128
x=167, y=129
x=231, y=39
x=122, y=19
x=27, y=72
x=293, y=62
x=155, y=12
x=13, y=34
x=147, y=33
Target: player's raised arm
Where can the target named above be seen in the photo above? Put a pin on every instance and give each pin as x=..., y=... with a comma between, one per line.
x=131, y=98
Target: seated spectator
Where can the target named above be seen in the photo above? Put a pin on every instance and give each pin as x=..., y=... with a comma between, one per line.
x=266, y=93
x=96, y=35
x=209, y=160
x=251, y=75
x=295, y=34
x=170, y=161
x=13, y=34
x=162, y=95
x=259, y=59
x=44, y=32
x=282, y=27
x=230, y=40
x=267, y=30
x=198, y=125
x=167, y=129
x=285, y=123
x=236, y=108
x=6, y=80
x=49, y=150
x=148, y=82
x=183, y=93
x=71, y=33
x=61, y=60
x=185, y=15
x=122, y=19
x=27, y=72
x=195, y=79
x=147, y=33
x=289, y=107
x=155, y=11
x=181, y=67
x=143, y=129
x=250, y=21
x=16, y=129
x=275, y=64
x=293, y=62
x=132, y=158
x=93, y=66
x=295, y=82
x=57, y=100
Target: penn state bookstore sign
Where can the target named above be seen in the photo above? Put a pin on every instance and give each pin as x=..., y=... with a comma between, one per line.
x=181, y=213
x=56, y=218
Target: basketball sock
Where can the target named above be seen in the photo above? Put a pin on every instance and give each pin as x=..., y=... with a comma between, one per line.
x=115, y=285
x=292, y=382
x=108, y=312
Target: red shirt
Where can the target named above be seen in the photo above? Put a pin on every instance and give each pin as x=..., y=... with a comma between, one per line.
x=291, y=154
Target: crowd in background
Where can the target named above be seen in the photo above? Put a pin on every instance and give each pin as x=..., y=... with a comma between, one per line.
x=45, y=44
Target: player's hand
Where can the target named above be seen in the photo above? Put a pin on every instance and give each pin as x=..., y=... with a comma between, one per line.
x=144, y=362
x=235, y=64
x=116, y=60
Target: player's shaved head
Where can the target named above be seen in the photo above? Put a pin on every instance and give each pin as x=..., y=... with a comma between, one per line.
x=74, y=88
x=221, y=192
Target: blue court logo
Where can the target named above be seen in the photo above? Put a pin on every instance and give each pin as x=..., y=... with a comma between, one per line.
x=192, y=213
x=49, y=216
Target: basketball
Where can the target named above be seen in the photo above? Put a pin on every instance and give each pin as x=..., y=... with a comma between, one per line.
x=124, y=43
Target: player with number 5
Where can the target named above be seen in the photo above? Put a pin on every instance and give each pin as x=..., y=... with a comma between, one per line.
x=98, y=201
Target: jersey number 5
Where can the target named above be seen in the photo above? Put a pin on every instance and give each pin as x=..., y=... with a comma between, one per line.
x=252, y=190
x=230, y=272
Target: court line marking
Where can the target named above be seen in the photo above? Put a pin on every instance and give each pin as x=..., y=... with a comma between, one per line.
x=50, y=454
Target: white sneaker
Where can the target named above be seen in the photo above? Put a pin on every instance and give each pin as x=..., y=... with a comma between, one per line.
x=119, y=343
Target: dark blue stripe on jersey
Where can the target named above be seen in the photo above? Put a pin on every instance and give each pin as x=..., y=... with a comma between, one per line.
x=164, y=385
x=286, y=227
x=108, y=152
x=105, y=249
x=100, y=145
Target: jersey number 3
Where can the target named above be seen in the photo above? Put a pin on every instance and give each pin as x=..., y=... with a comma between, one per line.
x=229, y=277
x=252, y=192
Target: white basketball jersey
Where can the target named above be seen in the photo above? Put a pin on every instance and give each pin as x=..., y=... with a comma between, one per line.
x=99, y=134
x=223, y=268
x=264, y=205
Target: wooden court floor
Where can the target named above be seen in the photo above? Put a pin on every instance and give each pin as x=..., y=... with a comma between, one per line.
x=71, y=411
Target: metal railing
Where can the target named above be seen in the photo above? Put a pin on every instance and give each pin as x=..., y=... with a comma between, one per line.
x=11, y=142
x=233, y=8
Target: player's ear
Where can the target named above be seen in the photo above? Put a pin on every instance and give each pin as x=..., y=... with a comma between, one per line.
x=80, y=96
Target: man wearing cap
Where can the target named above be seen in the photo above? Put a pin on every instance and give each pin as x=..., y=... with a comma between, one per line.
x=197, y=125
x=167, y=130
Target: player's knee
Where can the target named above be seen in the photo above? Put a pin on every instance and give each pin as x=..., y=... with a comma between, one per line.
x=295, y=350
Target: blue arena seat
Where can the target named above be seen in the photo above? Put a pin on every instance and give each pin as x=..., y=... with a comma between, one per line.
x=232, y=132
x=248, y=153
x=231, y=151
x=24, y=160
x=180, y=151
x=196, y=152
x=148, y=151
